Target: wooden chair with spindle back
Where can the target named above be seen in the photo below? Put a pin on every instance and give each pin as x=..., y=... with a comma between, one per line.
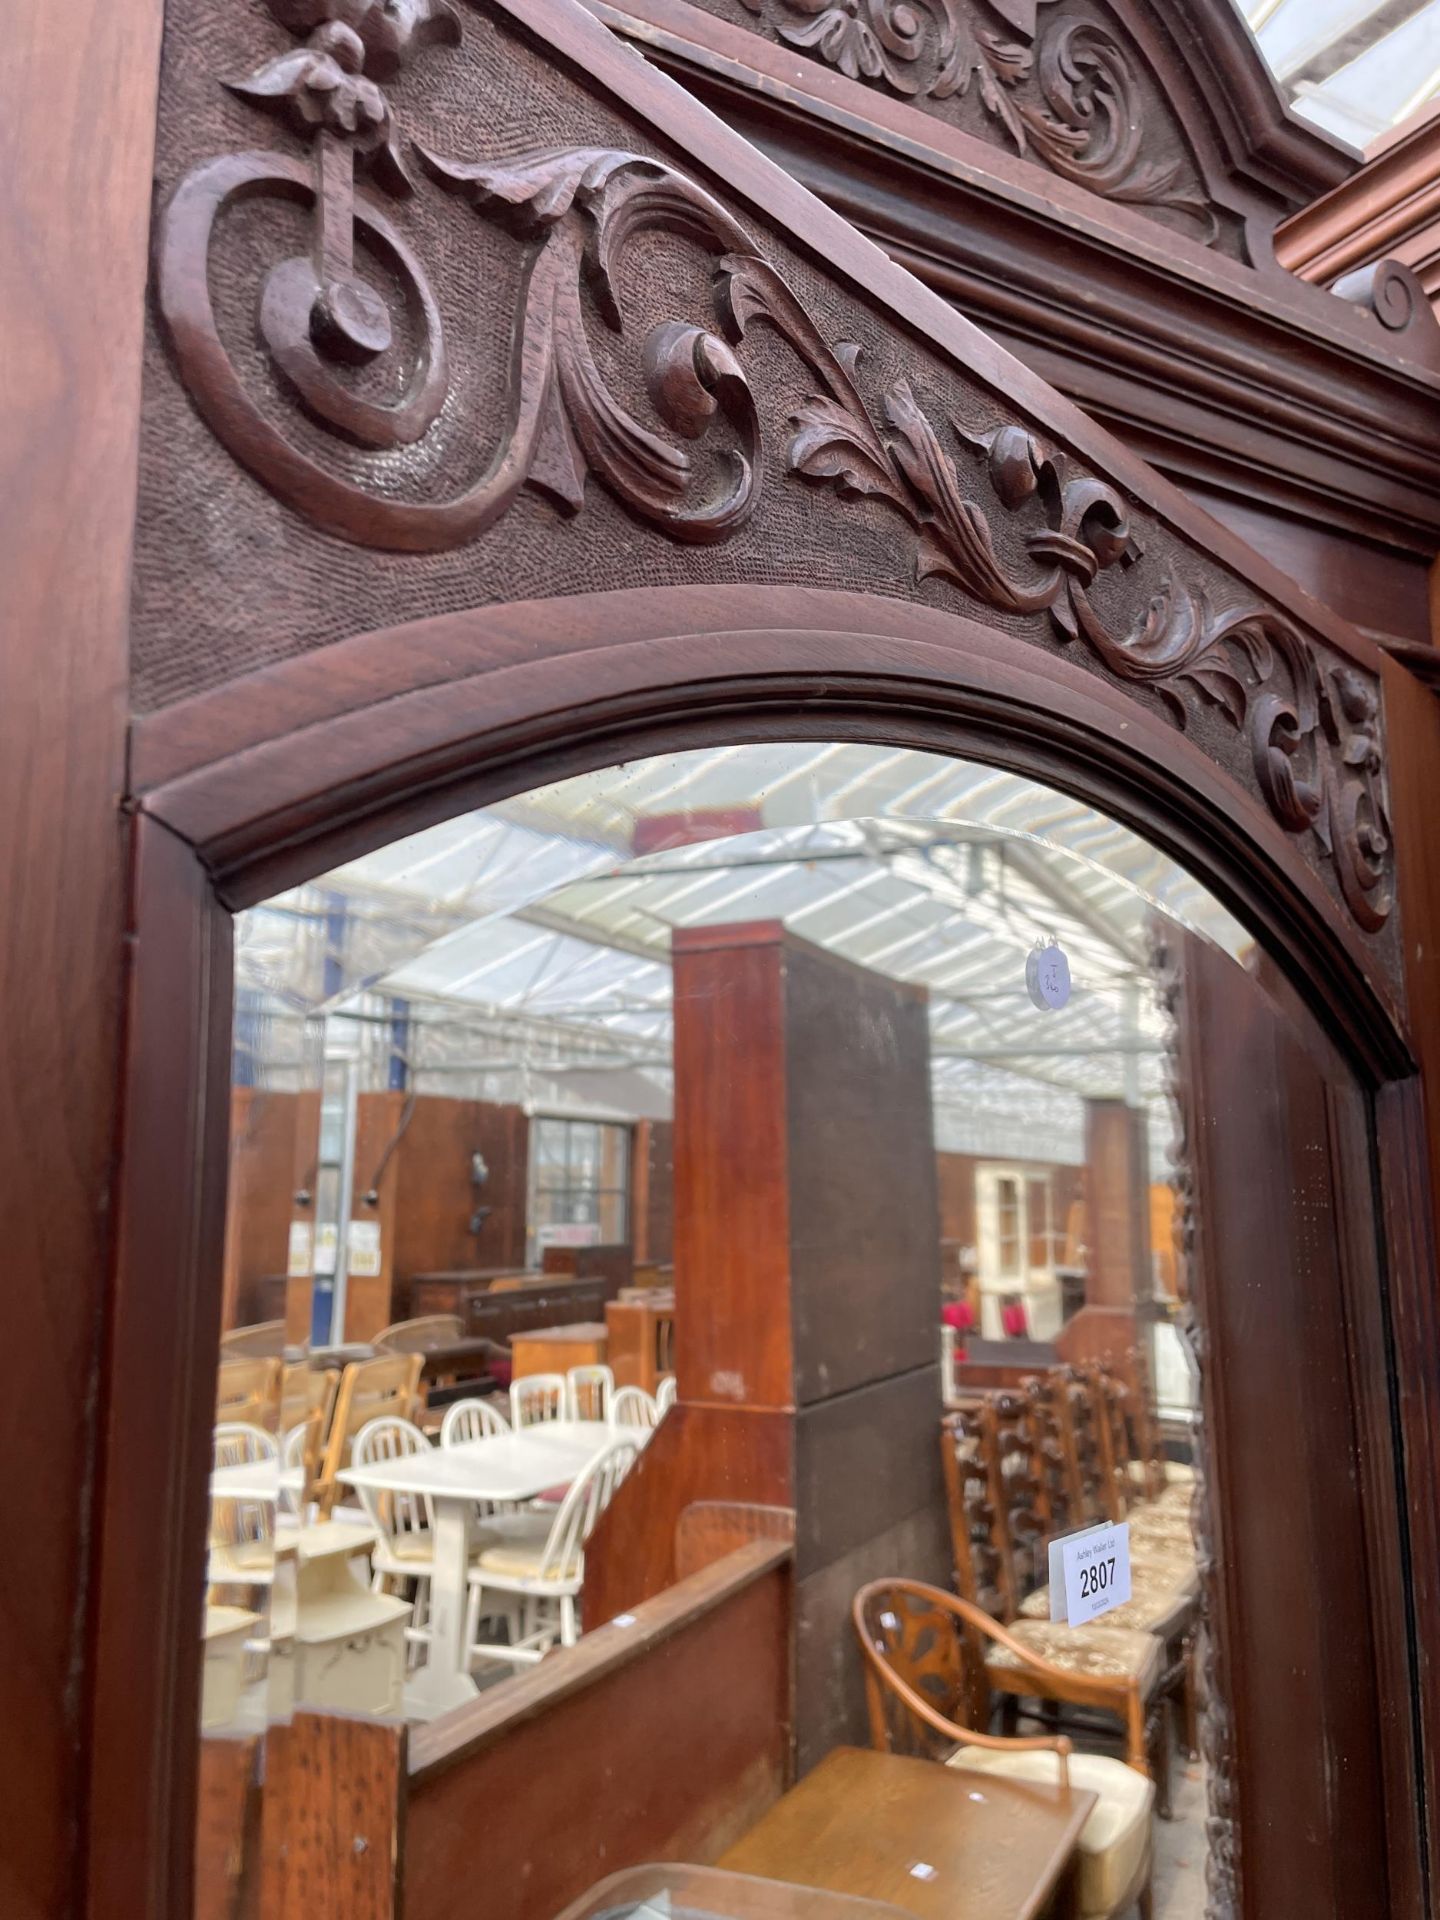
x=1119, y=1668
x=307, y=1404
x=1111, y=1440
x=1085, y=1473
x=917, y=1643
x=263, y=1340
x=1050, y=1467
x=369, y=1390
x=421, y=1335
x=247, y=1392
x=1157, y=1534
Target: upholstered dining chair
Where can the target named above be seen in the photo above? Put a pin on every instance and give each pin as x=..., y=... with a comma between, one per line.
x=916, y=1642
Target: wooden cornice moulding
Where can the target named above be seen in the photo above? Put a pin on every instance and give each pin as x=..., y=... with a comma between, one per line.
x=1388, y=209
x=775, y=395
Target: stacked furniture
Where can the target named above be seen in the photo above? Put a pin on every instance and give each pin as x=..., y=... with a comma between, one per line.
x=1022, y=1468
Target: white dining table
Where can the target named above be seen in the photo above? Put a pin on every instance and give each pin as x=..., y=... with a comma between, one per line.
x=261, y=1480
x=505, y=1467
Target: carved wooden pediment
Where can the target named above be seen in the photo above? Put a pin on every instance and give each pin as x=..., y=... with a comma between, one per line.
x=1163, y=106
x=459, y=305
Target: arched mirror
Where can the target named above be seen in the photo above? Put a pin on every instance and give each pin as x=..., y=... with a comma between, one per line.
x=797, y=1311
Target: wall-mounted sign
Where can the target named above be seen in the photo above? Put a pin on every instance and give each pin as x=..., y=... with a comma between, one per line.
x=362, y=1249
x=302, y=1250
x=1047, y=977
x=579, y=1233
x=1089, y=1573
x=327, y=1245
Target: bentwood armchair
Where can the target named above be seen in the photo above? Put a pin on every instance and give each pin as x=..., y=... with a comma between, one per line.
x=916, y=1642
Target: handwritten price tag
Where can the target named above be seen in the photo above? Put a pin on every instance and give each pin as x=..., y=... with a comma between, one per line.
x=1089, y=1573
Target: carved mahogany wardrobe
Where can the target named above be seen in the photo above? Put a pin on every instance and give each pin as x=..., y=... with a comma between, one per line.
x=407, y=401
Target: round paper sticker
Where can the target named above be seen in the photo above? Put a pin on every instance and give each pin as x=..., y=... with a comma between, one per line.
x=1047, y=976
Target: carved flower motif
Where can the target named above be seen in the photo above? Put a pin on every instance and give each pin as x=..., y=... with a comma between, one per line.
x=321, y=86
x=844, y=36
x=390, y=30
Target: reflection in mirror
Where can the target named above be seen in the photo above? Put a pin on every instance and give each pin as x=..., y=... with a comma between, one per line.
x=716, y=1217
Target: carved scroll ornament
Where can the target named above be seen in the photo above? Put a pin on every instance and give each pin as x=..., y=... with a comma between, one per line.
x=1311, y=728
x=1063, y=92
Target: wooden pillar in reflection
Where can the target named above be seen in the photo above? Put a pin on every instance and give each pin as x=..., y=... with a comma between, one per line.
x=807, y=1265
x=300, y=1280
x=1117, y=1194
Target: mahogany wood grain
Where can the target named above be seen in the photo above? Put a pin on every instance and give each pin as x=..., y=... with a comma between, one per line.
x=162, y=1350
x=334, y=1820
x=859, y=1169
x=1409, y=1125
x=1297, y=1626
x=640, y=1335
x=663, y=1739
x=733, y=1343
x=226, y=1828
x=435, y=1199
x=471, y=713
x=653, y=1193
x=259, y=1198
x=1117, y=1203
x=861, y=1822
x=74, y=229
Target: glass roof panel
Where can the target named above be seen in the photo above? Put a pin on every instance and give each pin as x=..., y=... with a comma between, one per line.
x=1354, y=67
x=523, y=951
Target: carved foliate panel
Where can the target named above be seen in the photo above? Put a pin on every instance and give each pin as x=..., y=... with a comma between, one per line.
x=1064, y=87
x=435, y=327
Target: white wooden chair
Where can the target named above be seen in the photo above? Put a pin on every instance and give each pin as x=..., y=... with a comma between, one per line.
x=471, y=1420
x=242, y=1532
x=295, y=1451
x=633, y=1411
x=590, y=1389
x=541, y=1562
x=665, y=1395
x=538, y=1397
x=403, y=1522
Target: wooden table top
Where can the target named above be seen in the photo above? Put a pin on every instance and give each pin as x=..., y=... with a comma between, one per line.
x=939, y=1843
x=576, y=1331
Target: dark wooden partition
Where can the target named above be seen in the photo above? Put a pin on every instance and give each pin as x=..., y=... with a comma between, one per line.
x=664, y=1738
x=1308, y=1608
x=807, y=1235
